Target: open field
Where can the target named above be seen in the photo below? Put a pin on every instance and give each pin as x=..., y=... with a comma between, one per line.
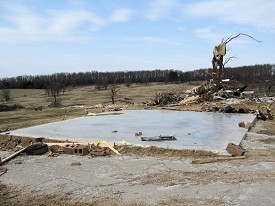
x=89, y=95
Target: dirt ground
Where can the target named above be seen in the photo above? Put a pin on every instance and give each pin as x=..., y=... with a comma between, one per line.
x=145, y=176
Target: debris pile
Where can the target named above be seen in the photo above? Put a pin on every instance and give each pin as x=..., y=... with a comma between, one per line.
x=14, y=143
x=262, y=116
x=36, y=146
x=95, y=149
x=169, y=97
x=231, y=93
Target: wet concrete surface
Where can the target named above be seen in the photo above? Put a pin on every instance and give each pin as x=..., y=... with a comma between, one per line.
x=193, y=130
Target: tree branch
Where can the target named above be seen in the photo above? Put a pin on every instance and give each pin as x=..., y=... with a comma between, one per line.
x=228, y=59
x=238, y=35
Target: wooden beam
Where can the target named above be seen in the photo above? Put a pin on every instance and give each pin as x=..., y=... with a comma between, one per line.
x=12, y=156
x=211, y=160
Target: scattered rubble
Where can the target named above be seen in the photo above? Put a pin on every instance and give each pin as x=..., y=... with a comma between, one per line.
x=231, y=98
x=36, y=146
x=235, y=150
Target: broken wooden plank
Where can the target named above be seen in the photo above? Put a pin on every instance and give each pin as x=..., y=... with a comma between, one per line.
x=107, y=145
x=235, y=150
x=12, y=156
x=211, y=160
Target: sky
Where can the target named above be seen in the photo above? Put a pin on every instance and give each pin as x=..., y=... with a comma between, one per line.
x=40, y=37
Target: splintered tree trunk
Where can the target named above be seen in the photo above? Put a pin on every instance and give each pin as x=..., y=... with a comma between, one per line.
x=215, y=74
x=217, y=61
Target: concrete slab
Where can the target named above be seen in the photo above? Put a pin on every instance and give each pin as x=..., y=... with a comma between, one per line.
x=193, y=130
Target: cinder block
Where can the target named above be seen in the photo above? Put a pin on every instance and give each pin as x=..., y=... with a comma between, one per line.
x=76, y=150
x=69, y=149
x=81, y=150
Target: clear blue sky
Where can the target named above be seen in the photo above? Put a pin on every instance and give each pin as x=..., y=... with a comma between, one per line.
x=50, y=36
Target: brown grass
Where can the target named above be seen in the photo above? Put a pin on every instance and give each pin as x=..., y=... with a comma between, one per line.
x=158, y=152
x=12, y=196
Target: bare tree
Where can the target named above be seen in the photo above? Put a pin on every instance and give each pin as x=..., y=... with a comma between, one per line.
x=218, y=59
x=128, y=82
x=6, y=94
x=114, y=91
x=55, y=89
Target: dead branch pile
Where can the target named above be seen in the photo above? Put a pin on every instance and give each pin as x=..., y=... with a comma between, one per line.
x=169, y=97
x=205, y=97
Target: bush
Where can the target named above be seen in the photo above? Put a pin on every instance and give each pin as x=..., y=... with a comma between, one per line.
x=5, y=107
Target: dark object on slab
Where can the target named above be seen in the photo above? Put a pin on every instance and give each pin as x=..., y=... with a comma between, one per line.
x=37, y=149
x=159, y=138
x=235, y=150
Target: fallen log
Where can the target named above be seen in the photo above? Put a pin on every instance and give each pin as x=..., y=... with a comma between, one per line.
x=12, y=156
x=211, y=160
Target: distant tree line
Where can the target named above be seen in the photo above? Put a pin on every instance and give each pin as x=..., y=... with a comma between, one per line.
x=50, y=83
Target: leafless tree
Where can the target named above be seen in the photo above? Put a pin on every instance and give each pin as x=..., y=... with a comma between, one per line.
x=55, y=89
x=114, y=90
x=6, y=94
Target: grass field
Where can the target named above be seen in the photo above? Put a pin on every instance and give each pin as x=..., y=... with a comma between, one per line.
x=88, y=95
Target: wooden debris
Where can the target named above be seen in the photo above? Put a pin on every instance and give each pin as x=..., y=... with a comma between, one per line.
x=13, y=155
x=99, y=151
x=168, y=97
x=211, y=160
x=189, y=100
x=235, y=150
x=108, y=145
